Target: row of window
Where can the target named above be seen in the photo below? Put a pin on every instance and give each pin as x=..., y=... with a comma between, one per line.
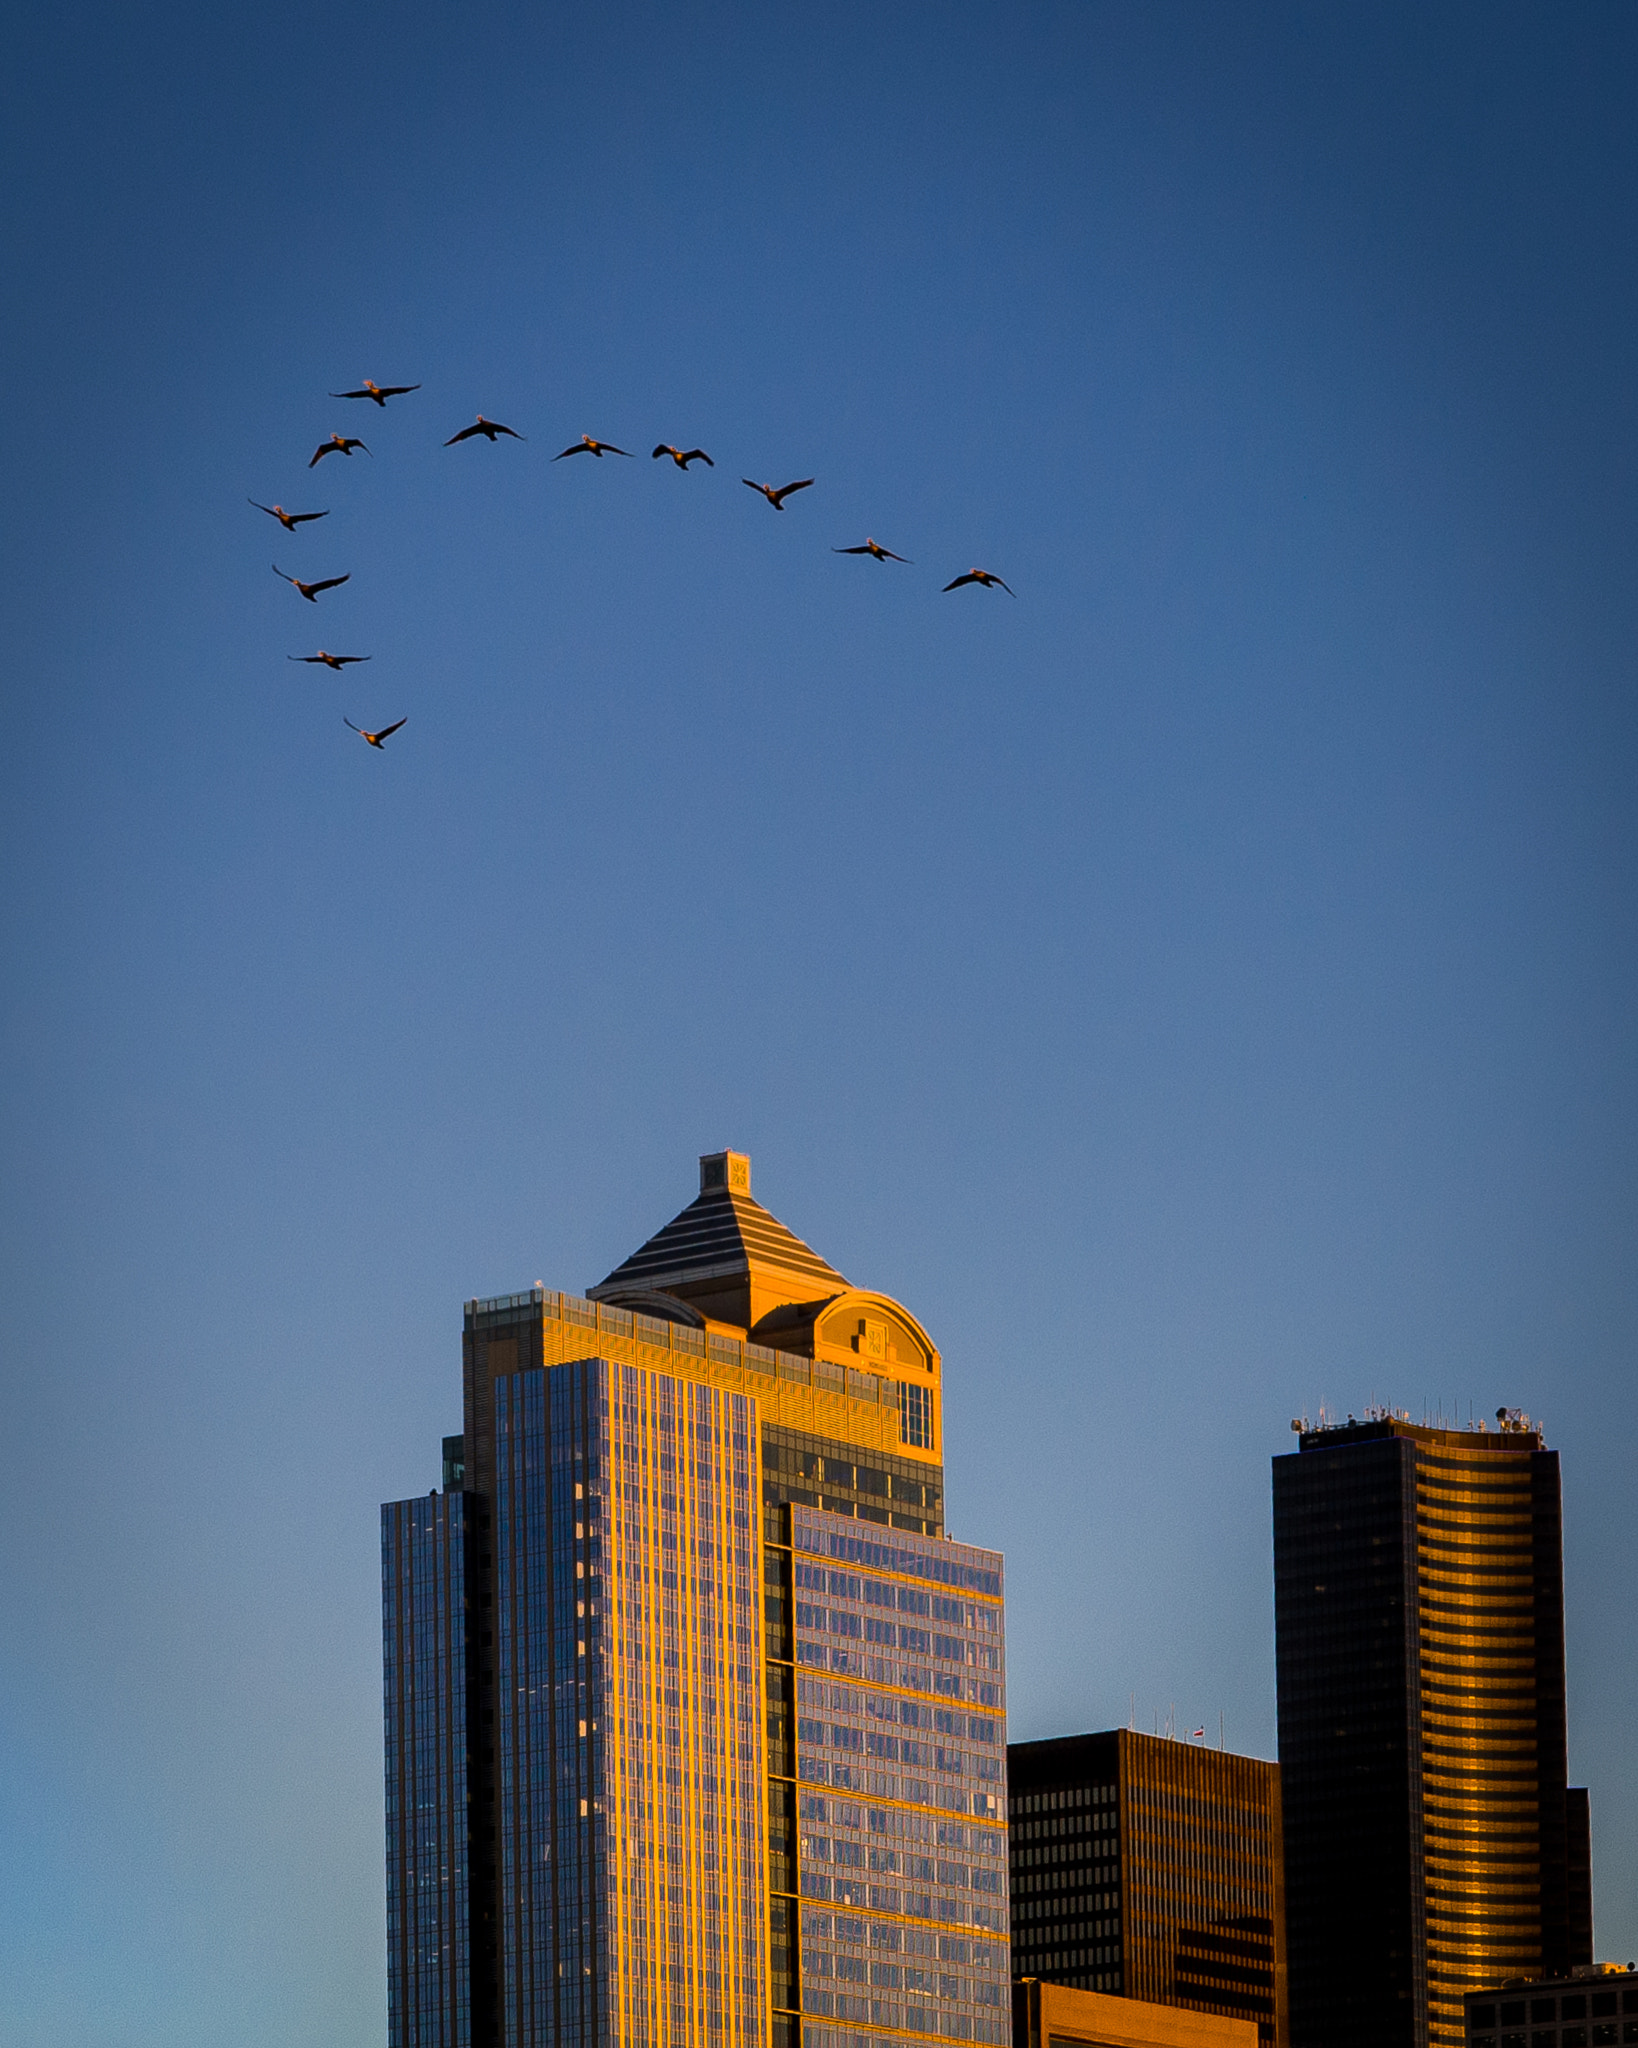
x=895, y=1712
x=946, y=1563
x=853, y=1702
x=1063, y=1912
x=1075, y=1958
x=1599, y=2035
x=1074, y=1828
x=956, y=1613
x=1548, y=2006
x=778, y=1492
x=931, y=2024
x=919, y=1642
x=869, y=1664
x=1066, y=1799
x=907, y=1863
x=901, y=1823
x=886, y=1935
x=939, y=1984
x=858, y=1893
x=825, y=1468
x=877, y=1784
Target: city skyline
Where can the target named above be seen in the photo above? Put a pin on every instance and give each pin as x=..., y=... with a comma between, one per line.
x=1204, y=985
x=557, y=1877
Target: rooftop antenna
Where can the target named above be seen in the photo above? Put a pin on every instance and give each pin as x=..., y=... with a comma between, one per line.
x=1220, y=1742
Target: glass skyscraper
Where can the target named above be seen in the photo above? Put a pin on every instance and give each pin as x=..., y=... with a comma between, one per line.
x=695, y=1721
x=1419, y=1636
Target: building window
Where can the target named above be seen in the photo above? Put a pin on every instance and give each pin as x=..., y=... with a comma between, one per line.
x=915, y=1415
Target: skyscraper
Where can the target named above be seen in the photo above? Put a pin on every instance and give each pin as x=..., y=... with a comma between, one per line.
x=1150, y=1868
x=1419, y=1625
x=695, y=1721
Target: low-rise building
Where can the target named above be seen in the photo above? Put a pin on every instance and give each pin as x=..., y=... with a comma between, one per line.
x=1152, y=1869
x=1060, y=2016
x=1594, y=2008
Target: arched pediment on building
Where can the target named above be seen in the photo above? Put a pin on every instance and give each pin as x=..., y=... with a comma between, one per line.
x=875, y=1333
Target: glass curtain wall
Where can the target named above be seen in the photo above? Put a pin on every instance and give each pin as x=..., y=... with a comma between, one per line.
x=423, y=1605
x=629, y=1686
x=901, y=1761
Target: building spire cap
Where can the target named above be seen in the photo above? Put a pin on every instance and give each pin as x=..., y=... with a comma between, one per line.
x=726, y=1235
x=730, y=1170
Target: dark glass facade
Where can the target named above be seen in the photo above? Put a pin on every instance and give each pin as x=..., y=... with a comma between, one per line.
x=1151, y=1869
x=425, y=1666
x=818, y=1472
x=1420, y=1660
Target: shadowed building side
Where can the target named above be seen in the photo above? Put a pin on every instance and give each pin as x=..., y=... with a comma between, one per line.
x=425, y=1670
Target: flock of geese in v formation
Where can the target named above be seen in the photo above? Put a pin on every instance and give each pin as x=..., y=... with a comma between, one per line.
x=491, y=430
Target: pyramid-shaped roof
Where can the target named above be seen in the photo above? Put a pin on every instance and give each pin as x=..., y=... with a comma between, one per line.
x=723, y=1234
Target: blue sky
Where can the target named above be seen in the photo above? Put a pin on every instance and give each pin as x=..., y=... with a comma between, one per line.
x=1201, y=988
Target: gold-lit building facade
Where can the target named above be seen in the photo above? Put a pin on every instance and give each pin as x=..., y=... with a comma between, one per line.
x=1062, y=2016
x=1150, y=1869
x=733, y=1768
x=1420, y=1649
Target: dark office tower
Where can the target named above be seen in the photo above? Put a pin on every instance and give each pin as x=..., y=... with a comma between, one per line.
x=1151, y=1868
x=695, y=1720
x=1578, y=1867
x=1419, y=1626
